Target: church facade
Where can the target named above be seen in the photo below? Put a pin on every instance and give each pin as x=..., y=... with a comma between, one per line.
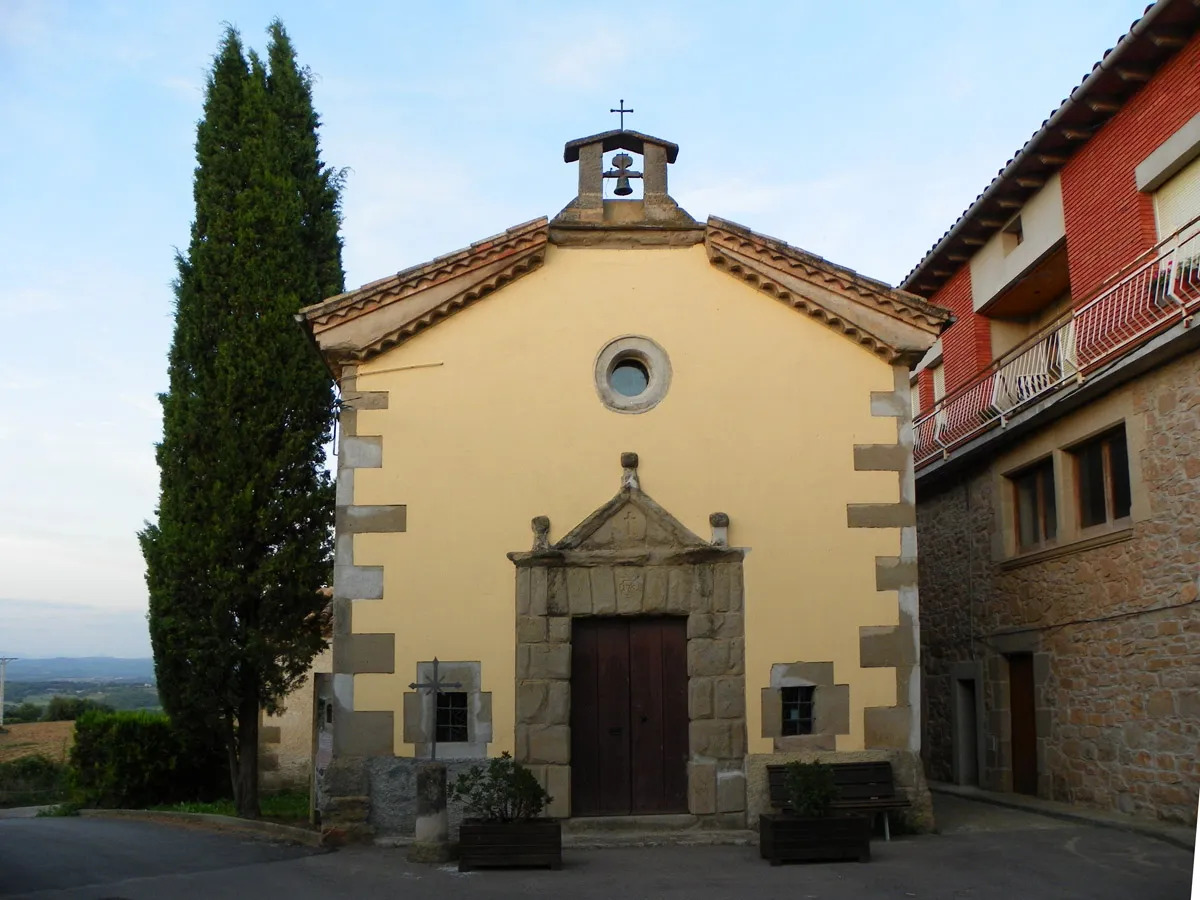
x=636, y=492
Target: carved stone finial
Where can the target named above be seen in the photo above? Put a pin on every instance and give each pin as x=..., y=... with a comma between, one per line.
x=629, y=477
x=541, y=533
x=720, y=529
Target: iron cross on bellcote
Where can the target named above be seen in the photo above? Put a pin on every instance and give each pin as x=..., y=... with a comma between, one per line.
x=434, y=685
x=622, y=110
x=622, y=161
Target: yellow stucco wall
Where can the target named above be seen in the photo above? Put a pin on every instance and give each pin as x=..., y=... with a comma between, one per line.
x=493, y=418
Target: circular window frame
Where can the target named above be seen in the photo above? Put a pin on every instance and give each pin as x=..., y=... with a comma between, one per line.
x=646, y=352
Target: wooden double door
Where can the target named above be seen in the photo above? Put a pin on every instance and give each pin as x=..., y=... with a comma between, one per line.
x=629, y=716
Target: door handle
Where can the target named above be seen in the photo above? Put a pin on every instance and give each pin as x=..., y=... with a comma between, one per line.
x=614, y=732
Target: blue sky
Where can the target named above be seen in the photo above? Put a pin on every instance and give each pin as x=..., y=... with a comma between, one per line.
x=858, y=130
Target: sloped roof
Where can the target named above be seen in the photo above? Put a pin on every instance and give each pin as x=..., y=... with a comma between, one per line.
x=891, y=323
x=1164, y=28
x=361, y=324
x=620, y=139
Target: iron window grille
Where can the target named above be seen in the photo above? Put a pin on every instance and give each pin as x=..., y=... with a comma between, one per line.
x=798, y=710
x=452, y=717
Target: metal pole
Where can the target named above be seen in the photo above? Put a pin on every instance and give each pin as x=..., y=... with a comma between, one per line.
x=4, y=661
x=434, y=686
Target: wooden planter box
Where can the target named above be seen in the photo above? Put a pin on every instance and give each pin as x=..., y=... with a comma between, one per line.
x=536, y=842
x=786, y=838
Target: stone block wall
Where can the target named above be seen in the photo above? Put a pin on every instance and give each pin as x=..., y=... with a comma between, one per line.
x=1117, y=684
x=373, y=797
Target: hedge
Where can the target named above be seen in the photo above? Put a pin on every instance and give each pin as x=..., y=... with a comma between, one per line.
x=32, y=781
x=131, y=760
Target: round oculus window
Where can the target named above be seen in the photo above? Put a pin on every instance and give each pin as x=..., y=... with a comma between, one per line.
x=632, y=373
x=629, y=378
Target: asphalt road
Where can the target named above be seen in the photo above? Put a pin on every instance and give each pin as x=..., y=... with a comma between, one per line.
x=72, y=857
x=983, y=853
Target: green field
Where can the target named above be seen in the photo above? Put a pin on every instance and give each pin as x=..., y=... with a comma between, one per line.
x=117, y=694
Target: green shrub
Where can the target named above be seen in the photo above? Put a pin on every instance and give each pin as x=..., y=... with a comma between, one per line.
x=26, y=712
x=285, y=806
x=503, y=791
x=68, y=709
x=810, y=787
x=136, y=759
x=32, y=781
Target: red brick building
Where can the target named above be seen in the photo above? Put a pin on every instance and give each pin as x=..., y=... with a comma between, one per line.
x=1058, y=449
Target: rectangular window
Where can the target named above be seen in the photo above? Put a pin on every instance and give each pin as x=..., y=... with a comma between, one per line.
x=452, y=717
x=1102, y=479
x=1013, y=236
x=798, y=710
x=1177, y=202
x=1037, y=512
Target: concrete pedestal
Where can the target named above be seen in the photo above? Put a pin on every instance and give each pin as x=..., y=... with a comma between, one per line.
x=432, y=832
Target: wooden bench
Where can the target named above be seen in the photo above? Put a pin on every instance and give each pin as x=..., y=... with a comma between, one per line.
x=862, y=787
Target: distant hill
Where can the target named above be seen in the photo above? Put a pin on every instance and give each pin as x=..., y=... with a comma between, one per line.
x=84, y=668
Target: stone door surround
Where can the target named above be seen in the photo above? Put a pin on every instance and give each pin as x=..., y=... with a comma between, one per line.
x=631, y=557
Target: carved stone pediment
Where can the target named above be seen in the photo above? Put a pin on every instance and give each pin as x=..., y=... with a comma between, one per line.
x=631, y=528
x=630, y=521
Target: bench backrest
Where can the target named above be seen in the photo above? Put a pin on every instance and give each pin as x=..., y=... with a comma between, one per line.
x=855, y=782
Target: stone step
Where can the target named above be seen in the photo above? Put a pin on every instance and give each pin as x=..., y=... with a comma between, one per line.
x=600, y=840
x=608, y=824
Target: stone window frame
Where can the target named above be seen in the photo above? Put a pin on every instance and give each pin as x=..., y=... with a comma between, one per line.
x=1169, y=158
x=1056, y=440
x=420, y=713
x=1073, y=453
x=831, y=706
x=972, y=671
x=651, y=356
x=1014, y=479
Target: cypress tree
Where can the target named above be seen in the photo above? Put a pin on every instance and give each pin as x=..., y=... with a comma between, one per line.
x=243, y=540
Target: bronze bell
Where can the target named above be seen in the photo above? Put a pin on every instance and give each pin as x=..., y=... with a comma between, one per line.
x=623, y=161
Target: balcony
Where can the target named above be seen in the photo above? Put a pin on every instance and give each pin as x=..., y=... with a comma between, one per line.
x=1159, y=289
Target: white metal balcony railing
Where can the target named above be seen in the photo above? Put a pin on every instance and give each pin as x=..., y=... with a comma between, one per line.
x=1161, y=287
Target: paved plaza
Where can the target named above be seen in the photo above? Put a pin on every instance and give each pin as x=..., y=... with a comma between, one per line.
x=982, y=853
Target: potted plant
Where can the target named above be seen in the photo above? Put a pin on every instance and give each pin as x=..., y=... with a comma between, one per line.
x=504, y=826
x=806, y=830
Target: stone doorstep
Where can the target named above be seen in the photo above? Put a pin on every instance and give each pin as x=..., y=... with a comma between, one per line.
x=599, y=832
x=611, y=824
x=1179, y=835
x=600, y=840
